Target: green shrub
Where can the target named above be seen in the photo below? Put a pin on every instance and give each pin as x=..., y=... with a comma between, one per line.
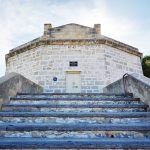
x=146, y=66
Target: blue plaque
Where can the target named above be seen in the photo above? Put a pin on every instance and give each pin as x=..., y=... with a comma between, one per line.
x=54, y=78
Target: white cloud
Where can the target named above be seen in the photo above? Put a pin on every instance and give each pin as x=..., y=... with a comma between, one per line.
x=22, y=21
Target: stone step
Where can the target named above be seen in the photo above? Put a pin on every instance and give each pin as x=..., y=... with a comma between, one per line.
x=76, y=134
x=78, y=102
x=37, y=119
x=74, y=143
x=75, y=117
x=73, y=102
x=69, y=96
x=74, y=121
x=84, y=130
x=76, y=94
x=44, y=109
x=76, y=114
x=75, y=99
x=77, y=106
x=74, y=127
x=84, y=107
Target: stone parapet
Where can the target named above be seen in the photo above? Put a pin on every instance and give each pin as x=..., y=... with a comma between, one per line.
x=137, y=84
x=12, y=83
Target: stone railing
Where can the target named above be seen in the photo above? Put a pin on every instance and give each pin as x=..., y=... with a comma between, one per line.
x=139, y=85
x=12, y=83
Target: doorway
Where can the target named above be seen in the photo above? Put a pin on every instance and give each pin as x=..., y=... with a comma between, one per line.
x=73, y=82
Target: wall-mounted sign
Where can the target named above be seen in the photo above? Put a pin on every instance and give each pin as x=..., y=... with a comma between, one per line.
x=73, y=63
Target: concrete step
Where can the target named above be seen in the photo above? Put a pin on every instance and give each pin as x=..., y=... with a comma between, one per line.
x=76, y=143
x=83, y=107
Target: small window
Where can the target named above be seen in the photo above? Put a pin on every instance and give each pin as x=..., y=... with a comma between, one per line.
x=73, y=63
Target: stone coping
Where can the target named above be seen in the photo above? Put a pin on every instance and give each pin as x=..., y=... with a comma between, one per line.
x=62, y=26
x=44, y=40
x=13, y=82
x=141, y=78
x=7, y=77
x=135, y=83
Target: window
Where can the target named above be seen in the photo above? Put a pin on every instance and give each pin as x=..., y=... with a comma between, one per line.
x=73, y=63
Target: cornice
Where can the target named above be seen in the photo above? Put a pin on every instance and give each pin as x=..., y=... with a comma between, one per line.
x=97, y=41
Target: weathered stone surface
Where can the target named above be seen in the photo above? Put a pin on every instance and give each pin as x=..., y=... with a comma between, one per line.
x=1, y=102
x=74, y=102
x=12, y=83
x=73, y=134
x=72, y=31
x=78, y=143
x=84, y=107
x=75, y=127
x=76, y=114
x=86, y=121
x=68, y=120
x=137, y=84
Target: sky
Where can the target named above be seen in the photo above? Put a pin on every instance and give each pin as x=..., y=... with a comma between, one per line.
x=21, y=21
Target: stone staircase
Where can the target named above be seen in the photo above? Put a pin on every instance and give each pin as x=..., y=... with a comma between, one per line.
x=74, y=121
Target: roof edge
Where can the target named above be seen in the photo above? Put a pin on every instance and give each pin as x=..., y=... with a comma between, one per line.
x=46, y=41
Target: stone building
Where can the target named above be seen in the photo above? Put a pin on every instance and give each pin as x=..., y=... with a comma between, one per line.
x=73, y=58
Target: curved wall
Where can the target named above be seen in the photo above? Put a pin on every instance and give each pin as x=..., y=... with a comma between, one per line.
x=99, y=65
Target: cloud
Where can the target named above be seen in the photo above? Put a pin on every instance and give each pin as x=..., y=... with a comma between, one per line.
x=22, y=21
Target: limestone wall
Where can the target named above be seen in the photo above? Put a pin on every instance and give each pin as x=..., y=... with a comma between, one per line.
x=100, y=65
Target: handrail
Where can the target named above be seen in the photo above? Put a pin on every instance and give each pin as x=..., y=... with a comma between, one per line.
x=124, y=83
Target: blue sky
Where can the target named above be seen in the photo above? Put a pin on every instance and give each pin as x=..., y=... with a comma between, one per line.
x=125, y=20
